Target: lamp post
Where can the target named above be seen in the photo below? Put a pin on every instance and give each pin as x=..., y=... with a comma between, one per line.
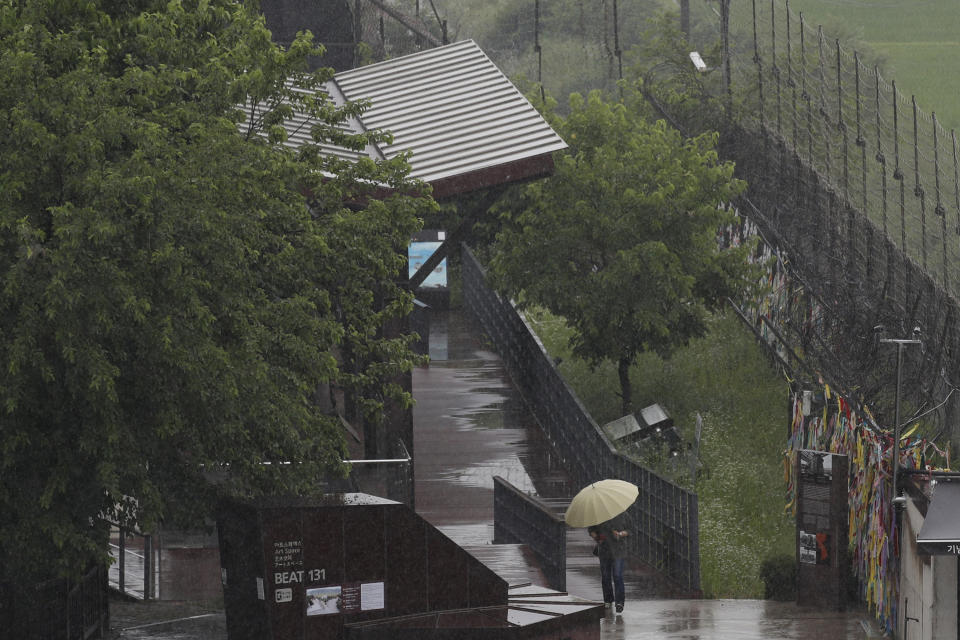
x=901, y=343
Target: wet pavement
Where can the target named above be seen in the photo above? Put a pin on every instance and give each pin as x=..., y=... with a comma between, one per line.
x=641, y=620
x=740, y=619
x=470, y=425
x=167, y=620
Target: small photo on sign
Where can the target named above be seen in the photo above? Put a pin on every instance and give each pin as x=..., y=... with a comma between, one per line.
x=322, y=601
x=808, y=548
x=816, y=463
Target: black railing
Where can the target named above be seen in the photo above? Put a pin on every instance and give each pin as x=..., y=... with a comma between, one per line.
x=56, y=609
x=519, y=518
x=665, y=514
x=134, y=569
x=391, y=478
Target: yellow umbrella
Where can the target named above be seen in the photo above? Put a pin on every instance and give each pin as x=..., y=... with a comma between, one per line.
x=600, y=501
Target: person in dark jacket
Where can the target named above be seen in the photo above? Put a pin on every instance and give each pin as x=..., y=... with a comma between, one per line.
x=611, y=548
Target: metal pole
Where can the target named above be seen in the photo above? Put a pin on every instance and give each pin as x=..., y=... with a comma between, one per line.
x=121, y=568
x=897, y=501
x=901, y=343
x=148, y=593
x=725, y=44
x=616, y=41
x=896, y=424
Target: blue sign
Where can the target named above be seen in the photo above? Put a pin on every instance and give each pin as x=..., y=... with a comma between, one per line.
x=418, y=253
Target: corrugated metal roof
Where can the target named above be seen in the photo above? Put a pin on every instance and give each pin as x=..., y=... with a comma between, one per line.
x=451, y=107
x=299, y=127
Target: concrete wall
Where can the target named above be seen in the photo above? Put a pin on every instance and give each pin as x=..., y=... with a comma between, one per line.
x=928, y=587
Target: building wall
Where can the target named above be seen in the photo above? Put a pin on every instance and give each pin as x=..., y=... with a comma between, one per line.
x=943, y=598
x=928, y=587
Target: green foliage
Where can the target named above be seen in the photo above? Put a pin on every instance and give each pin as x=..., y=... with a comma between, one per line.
x=779, y=575
x=171, y=300
x=660, y=65
x=621, y=240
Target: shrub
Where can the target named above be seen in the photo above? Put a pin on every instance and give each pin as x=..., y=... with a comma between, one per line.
x=779, y=575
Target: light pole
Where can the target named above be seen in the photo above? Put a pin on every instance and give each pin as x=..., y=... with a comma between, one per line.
x=901, y=343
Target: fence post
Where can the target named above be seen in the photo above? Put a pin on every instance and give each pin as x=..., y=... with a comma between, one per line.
x=790, y=81
x=938, y=208
x=880, y=157
x=823, y=102
x=803, y=89
x=898, y=175
x=538, y=49
x=956, y=177
x=148, y=567
x=120, y=565
x=917, y=187
x=773, y=64
x=756, y=60
x=842, y=126
x=860, y=142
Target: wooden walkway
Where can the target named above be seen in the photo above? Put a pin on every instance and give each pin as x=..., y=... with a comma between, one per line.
x=469, y=426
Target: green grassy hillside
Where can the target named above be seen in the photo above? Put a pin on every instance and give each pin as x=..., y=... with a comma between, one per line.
x=918, y=44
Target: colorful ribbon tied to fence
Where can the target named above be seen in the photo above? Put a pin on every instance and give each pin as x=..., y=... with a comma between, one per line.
x=874, y=545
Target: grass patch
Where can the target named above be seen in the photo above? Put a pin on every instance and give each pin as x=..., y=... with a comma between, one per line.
x=744, y=403
x=918, y=41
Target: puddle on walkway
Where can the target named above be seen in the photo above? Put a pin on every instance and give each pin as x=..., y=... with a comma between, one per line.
x=469, y=426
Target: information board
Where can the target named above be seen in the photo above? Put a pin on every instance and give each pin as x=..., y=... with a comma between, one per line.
x=821, y=529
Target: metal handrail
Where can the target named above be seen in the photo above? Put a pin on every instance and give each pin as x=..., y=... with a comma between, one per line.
x=666, y=514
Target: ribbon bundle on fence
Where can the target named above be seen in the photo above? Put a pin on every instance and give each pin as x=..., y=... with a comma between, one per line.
x=839, y=428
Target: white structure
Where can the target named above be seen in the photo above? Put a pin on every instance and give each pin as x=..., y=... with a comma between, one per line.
x=466, y=126
x=930, y=546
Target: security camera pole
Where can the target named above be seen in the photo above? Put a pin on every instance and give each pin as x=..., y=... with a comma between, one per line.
x=901, y=343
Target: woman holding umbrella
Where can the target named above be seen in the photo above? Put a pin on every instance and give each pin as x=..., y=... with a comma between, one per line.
x=601, y=507
x=612, y=551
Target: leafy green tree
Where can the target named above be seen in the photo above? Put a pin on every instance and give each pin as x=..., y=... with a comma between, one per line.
x=622, y=240
x=176, y=284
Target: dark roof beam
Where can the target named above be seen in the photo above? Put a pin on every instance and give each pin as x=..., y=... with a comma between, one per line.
x=408, y=22
x=457, y=235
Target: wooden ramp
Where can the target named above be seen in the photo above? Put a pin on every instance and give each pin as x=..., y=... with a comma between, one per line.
x=470, y=425
x=515, y=563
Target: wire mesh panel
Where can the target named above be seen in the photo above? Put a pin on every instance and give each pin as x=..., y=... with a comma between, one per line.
x=873, y=146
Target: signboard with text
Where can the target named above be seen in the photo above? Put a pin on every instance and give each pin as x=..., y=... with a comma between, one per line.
x=940, y=533
x=299, y=569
